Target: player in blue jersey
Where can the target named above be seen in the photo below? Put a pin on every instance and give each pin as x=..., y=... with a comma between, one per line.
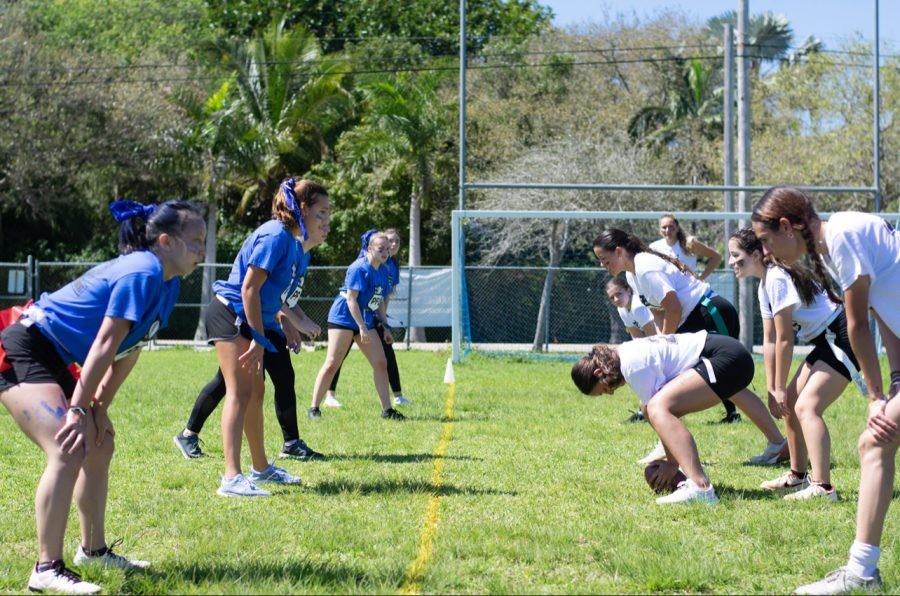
x=393, y=267
x=352, y=317
x=286, y=337
x=100, y=321
x=264, y=279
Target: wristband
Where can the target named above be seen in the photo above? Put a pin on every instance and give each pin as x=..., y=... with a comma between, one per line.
x=78, y=410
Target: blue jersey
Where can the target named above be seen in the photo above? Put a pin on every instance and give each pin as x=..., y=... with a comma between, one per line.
x=372, y=285
x=393, y=270
x=130, y=287
x=273, y=248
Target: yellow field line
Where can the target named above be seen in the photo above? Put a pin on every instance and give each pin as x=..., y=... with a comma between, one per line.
x=412, y=583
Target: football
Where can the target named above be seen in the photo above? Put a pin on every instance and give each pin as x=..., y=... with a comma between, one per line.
x=654, y=467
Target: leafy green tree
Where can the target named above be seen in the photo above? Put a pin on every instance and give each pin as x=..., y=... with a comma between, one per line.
x=405, y=131
x=290, y=106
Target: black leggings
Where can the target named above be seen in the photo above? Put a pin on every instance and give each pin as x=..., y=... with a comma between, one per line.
x=392, y=370
x=278, y=365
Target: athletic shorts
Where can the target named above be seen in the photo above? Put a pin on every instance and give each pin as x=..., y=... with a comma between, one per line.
x=699, y=319
x=34, y=359
x=725, y=365
x=355, y=330
x=223, y=324
x=822, y=352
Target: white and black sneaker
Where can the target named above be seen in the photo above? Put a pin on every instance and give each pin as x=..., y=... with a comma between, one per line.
x=108, y=559
x=58, y=578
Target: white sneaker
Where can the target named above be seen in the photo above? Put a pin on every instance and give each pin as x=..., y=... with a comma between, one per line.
x=774, y=453
x=60, y=579
x=688, y=491
x=813, y=491
x=399, y=400
x=658, y=453
x=842, y=581
x=787, y=482
x=108, y=559
x=331, y=402
x=275, y=475
x=239, y=486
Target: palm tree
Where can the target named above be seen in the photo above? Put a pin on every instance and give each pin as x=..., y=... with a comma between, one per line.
x=769, y=37
x=290, y=100
x=403, y=132
x=693, y=103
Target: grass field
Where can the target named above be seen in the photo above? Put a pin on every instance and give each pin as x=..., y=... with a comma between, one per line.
x=510, y=482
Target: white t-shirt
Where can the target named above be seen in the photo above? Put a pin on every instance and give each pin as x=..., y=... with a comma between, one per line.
x=778, y=292
x=675, y=251
x=864, y=244
x=648, y=363
x=638, y=316
x=655, y=277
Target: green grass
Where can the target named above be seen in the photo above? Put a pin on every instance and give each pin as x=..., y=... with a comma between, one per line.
x=539, y=493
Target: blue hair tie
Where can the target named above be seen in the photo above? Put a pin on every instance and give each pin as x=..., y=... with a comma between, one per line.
x=287, y=187
x=364, y=242
x=125, y=209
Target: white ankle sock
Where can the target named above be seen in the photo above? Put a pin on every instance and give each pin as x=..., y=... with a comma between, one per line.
x=863, y=559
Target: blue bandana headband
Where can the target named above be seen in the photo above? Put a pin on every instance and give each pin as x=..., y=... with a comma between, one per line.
x=122, y=210
x=287, y=187
x=364, y=242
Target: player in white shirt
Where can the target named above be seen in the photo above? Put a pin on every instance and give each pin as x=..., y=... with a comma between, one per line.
x=690, y=305
x=676, y=243
x=636, y=317
x=792, y=299
x=672, y=376
x=862, y=252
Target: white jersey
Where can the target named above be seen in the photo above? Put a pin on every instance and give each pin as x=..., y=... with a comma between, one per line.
x=675, y=251
x=638, y=316
x=648, y=363
x=778, y=292
x=864, y=244
x=655, y=277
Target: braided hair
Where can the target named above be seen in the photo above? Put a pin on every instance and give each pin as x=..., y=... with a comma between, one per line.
x=795, y=206
x=612, y=238
x=602, y=357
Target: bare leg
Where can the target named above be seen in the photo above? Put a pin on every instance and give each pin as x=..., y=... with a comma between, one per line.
x=792, y=428
x=39, y=409
x=375, y=355
x=820, y=386
x=238, y=393
x=684, y=394
x=339, y=342
x=92, y=490
x=254, y=423
x=876, y=483
x=750, y=404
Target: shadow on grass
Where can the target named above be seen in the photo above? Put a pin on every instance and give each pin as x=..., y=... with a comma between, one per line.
x=335, y=487
x=248, y=573
x=746, y=494
x=400, y=458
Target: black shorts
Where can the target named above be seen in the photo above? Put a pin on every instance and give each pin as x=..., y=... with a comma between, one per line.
x=822, y=352
x=700, y=320
x=355, y=330
x=34, y=359
x=223, y=324
x=731, y=363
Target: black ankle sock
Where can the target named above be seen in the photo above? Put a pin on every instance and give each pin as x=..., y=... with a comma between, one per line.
x=95, y=553
x=41, y=567
x=800, y=475
x=827, y=487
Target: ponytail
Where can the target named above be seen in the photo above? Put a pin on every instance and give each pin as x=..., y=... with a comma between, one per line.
x=141, y=225
x=613, y=238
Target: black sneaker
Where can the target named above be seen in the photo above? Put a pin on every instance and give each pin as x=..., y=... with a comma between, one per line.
x=189, y=446
x=731, y=418
x=314, y=414
x=392, y=414
x=300, y=450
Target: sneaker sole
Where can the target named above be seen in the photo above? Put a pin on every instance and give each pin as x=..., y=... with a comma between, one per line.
x=183, y=452
x=222, y=493
x=298, y=458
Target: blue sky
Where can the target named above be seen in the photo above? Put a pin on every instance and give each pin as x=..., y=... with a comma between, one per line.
x=829, y=20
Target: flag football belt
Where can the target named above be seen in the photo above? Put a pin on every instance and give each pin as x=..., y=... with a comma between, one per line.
x=258, y=337
x=706, y=302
